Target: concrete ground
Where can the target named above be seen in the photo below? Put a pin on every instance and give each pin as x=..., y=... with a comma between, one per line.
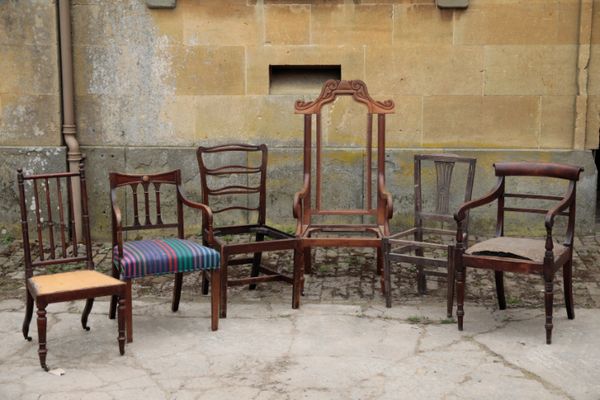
x=342, y=344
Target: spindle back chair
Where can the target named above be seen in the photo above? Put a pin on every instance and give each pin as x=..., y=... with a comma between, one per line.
x=51, y=200
x=519, y=254
x=263, y=237
x=312, y=233
x=164, y=255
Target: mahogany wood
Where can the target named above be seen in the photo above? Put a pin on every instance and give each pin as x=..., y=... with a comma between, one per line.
x=68, y=254
x=266, y=237
x=398, y=244
x=307, y=231
x=149, y=183
x=500, y=264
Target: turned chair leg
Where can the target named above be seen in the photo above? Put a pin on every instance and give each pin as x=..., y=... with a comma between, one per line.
x=460, y=289
x=256, y=262
x=121, y=323
x=41, y=324
x=568, y=288
x=548, y=303
x=177, y=291
x=89, y=303
x=128, y=312
x=28, y=315
x=499, y=278
x=223, y=301
x=450, y=282
x=215, y=298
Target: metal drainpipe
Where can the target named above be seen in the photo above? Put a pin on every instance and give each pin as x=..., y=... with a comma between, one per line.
x=69, y=129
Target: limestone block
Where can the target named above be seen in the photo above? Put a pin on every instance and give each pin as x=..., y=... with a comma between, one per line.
x=287, y=24
x=351, y=24
x=33, y=160
x=28, y=23
x=474, y=121
x=518, y=23
x=422, y=23
x=594, y=69
x=350, y=58
x=424, y=70
x=29, y=69
x=530, y=70
x=30, y=120
x=558, y=122
x=231, y=23
x=593, y=122
x=207, y=70
x=596, y=22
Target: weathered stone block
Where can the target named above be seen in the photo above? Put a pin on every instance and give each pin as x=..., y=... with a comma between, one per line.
x=593, y=122
x=28, y=23
x=351, y=24
x=350, y=58
x=422, y=23
x=27, y=120
x=404, y=128
x=29, y=69
x=530, y=70
x=558, y=122
x=287, y=24
x=424, y=70
x=207, y=70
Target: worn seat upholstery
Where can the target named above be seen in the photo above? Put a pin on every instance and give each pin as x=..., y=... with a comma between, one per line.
x=70, y=282
x=515, y=247
x=164, y=256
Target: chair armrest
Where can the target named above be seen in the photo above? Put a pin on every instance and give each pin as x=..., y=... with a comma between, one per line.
x=565, y=203
x=207, y=214
x=460, y=215
x=387, y=197
x=299, y=196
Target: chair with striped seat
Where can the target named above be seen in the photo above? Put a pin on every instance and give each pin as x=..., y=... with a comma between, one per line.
x=149, y=257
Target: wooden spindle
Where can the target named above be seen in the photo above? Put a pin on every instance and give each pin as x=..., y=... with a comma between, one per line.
x=136, y=218
x=72, y=217
x=61, y=216
x=159, y=220
x=38, y=220
x=318, y=200
x=50, y=222
x=368, y=177
x=147, y=221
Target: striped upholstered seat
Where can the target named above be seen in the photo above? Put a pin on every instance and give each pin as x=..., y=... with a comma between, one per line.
x=164, y=256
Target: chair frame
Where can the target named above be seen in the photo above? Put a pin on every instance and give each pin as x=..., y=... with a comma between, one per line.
x=280, y=240
x=444, y=165
x=118, y=180
x=303, y=209
x=565, y=207
x=66, y=228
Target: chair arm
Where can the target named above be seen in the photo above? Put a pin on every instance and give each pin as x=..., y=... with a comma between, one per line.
x=565, y=203
x=389, y=202
x=206, y=214
x=460, y=215
x=299, y=196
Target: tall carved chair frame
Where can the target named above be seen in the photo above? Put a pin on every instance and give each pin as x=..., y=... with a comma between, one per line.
x=398, y=246
x=174, y=257
x=349, y=235
x=522, y=255
x=56, y=221
x=266, y=238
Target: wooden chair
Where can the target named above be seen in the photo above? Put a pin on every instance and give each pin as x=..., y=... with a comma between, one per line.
x=50, y=198
x=517, y=254
x=379, y=210
x=258, y=231
x=138, y=258
x=398, y=245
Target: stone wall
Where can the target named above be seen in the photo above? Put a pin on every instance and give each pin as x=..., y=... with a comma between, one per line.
x=502, y=80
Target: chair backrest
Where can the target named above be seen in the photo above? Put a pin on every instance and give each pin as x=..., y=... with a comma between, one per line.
x=151, y=186
x=357, y=89
x=46, y=200
x=444, y=168
x=569, y=173
x=238, y=194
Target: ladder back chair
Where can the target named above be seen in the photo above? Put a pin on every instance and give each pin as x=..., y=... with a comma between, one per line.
x=377, y=204
x=165, y=255
x=518, y=254
x=398, y=246
x=50, y=198
x=262, y=237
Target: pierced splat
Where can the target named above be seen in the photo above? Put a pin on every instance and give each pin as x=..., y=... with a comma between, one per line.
x=443, y=171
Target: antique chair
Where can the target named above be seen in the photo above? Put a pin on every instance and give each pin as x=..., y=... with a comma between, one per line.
x=50, y=198
x=242, y=238
x=377, y=202
x=518, y=254
x=138, y=258
x=398, y=245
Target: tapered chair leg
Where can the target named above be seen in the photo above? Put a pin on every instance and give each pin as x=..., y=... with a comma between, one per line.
x=568, y=288
x=223, y=301
x=128, y=312
x=41, y=324
x=380, y=262
x=297, y=279
x=499, y=278
x=256, y=261
x=205, y=283
x=548, y=302
x=307, y=261
x=215, y=298
x=387, y=274
x=89, y=303
x=121, y=323
x=28, y=315
x=177, y=291
x=113, y=299
x=450, y=282
x=421, y=278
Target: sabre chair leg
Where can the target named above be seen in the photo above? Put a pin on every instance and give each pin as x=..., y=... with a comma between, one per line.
x=568, y=288
x=41, y=324
x=215, y=298
x=177, y=291
x=122, y=311
x=28, y=315
x=89, y=303
x=499, y=278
